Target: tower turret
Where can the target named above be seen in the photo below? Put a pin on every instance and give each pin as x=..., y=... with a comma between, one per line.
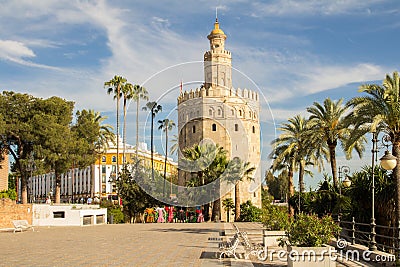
x=217, y=61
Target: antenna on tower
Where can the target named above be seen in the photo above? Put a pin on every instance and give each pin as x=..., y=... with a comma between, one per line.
x=216, y=14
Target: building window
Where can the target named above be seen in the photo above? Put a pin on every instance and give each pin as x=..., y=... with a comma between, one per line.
x=219, y=112
x=58, y=214
x=103, y=169
x=214, y=127
x=194, y=129
x=103, y=188
x=233, y=112
x=103, y=159
x=240, y=113
x=236, y=127
x=210, y=112
x=254, y=129
x=103, y=178
x=114, y=159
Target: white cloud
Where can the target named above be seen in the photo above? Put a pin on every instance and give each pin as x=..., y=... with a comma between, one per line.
x=311, y=7
x=12, y=50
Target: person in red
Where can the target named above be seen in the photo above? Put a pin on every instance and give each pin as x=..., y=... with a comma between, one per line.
x=170, y=211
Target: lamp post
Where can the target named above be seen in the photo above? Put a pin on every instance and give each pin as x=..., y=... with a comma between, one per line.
x=388, y=162
x=345, y=170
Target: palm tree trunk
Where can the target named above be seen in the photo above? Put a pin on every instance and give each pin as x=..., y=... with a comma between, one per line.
x=24, y=190
x=301, y=176
x=58, y=188
x=124, y=135
x=237, y=202
x=151, y=144
x=137, y=126
x=332, y=155
x=166, y=155
x=116, y=174
x=396, y=175
x=290, y=189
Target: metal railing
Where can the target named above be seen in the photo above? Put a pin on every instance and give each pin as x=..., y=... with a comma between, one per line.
x=387, y=237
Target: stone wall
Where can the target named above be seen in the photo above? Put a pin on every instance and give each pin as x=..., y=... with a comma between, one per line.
x=10, y=211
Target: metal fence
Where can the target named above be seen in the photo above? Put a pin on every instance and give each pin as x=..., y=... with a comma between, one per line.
x=387, y=238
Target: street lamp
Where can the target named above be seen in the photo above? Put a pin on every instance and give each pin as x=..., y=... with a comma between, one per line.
x=388, y=162
x=346, y=182
x=345, y=170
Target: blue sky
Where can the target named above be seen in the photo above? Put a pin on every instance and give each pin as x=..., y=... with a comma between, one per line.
x=294, y=52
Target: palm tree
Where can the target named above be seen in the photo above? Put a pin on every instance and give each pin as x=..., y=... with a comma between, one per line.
x=328, y=124
x=166, y=125
x=294, y=148
x=379, y=111
x=154, y=108
x=175, y=145
x=208, y=162
x=114, y=86
x=139, y=92
x=127, y=92
x=228, y=205
x=105, y=136
x=237, y=170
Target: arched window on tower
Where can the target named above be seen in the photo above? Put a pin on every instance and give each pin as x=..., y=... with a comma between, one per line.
x=210, y=112
x=219, y=112
x=214, y=127
x=240, y=113
x=194, y=128
x=236, y=127
x=254, y=129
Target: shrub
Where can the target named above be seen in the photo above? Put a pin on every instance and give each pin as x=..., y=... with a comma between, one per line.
x=275, y=218
x=311, y=231
x=10, y=193
x=249, y=212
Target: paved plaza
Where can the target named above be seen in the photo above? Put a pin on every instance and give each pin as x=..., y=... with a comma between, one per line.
x=175, y=244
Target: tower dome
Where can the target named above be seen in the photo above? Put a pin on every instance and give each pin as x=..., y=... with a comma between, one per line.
x=216, y=31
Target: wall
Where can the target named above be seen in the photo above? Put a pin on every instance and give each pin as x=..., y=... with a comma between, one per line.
x=10, y=211
x=43, y=214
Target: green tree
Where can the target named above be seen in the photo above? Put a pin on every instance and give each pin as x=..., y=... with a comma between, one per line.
x=277, y=186
x=154, y=108
x=16, y=134
x=57, y=142
x=208, y=163
x=166, y=125
x=249, y=212
x=90, y=136
x=328, y=124
x=114, y=86
x=135, y=199
x=139, y=92
x=294, y=147
x=175, y=145
x=236, y=171
x=228, y=205
x=376, y=112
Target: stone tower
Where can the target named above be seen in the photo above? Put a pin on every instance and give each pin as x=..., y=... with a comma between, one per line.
x=221, y=114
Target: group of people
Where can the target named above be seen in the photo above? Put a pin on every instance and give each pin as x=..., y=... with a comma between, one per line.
x=172, y=214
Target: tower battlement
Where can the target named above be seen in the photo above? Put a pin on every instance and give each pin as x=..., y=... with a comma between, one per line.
x=211, y=52
x=212, y=92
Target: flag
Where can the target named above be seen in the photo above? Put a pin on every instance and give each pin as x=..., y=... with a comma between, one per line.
x=181, y=86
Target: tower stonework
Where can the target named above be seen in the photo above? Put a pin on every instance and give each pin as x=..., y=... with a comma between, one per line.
x=226, y=116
